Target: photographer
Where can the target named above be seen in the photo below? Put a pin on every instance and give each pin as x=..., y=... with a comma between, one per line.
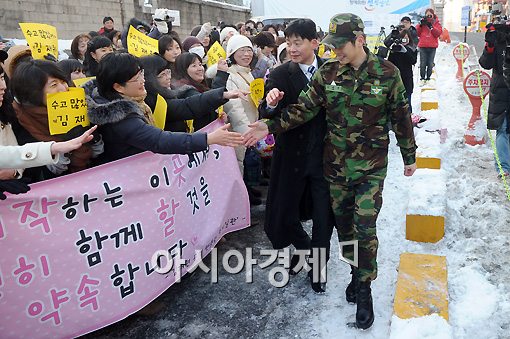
x=403, y=54
x=429, y=29
x=499, y=99
x=406, y=24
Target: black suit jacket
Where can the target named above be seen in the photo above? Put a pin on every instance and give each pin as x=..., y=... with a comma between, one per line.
x=294, y=149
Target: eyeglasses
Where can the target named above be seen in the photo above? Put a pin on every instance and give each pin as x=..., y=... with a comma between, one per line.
x=165, y=73
x=139, y=77
x=245, y=50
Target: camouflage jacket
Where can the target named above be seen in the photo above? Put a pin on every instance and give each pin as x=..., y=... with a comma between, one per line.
x=359, y=105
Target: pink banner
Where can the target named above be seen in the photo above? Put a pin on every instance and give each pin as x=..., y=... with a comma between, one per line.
x=75, y=252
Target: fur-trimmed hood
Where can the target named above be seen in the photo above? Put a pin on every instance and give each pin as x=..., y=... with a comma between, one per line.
x=102, y=111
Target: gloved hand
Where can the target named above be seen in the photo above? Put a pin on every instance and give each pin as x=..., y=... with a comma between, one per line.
x=491, y=36
x=14, y=186
x=61, y=166
x=78, y=130
x=429, y=24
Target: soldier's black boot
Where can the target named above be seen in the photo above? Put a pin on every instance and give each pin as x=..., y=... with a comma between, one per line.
x=365, y=309
x=350, y=291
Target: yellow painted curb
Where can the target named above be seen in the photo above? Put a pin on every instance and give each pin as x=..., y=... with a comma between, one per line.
x=424, y=228
x=429, y=105
x=422, y=286
x=432, y=163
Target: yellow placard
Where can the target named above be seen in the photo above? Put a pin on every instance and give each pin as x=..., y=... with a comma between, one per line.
x=373, y=42
x=160, y=112
x=67, y=110
x=220, y=111
x=257, y=91
x=215, y=53
x=321, y=51
x=82, y=81
x=41, y=38
x=140, y=44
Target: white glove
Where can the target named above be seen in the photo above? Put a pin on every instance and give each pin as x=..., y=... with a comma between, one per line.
x=61, y=165
x=204, y=31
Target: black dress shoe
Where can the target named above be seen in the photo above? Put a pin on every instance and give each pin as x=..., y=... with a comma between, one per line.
x=365, y=309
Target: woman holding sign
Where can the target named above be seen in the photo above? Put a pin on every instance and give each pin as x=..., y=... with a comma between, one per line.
x=31, y=83
x=181, y=104
x=116, y=103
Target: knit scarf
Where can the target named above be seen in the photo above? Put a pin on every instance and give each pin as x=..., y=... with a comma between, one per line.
x=35, y=120
x=146, y=110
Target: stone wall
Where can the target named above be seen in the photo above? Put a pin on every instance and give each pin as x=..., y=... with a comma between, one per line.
x=72, y=17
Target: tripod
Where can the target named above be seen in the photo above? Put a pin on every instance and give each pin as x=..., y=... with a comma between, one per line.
x=380, y=40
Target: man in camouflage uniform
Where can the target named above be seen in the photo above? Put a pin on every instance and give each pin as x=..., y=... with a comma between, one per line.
x=361, y=94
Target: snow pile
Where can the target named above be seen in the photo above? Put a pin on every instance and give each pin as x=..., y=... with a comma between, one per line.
x=429, y=193
x=428, y=327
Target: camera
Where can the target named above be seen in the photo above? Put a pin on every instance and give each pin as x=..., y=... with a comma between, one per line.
x=229, y=62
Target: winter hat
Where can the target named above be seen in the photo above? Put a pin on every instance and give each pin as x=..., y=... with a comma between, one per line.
x=163, y=20
x=224, y=32
x=190, y=41
x=107, y=18
x=279, y=51
x=236, y=42
x=15, y=53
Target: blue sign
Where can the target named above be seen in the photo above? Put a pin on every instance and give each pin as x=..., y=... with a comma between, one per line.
x=465, y=19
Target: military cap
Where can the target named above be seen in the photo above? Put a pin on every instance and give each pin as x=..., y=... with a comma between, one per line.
x=343, y=27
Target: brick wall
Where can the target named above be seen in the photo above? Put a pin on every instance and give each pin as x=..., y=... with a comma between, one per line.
x=72, y=17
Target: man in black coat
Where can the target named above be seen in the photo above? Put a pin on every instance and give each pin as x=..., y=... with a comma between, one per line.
x=499, y=98
x=296, y=169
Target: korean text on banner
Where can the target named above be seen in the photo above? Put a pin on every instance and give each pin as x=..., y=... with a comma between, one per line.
x=160, y=112
x=77, y=251
x=257, y=91
x=140, y=44
x=41, y=38
x=215, y=53
x=67, y=110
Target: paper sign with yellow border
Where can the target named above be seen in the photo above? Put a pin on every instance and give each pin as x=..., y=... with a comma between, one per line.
x=67, y=110
x=41, y=38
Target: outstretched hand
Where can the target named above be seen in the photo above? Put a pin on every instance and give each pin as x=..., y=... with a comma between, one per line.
x=71, y=145
x=258, y=130
x=222, y=136
x=274, y=96
x=236, y=93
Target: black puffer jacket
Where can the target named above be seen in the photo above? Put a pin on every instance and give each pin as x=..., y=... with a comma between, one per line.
x=125, y=131
x=499, y=98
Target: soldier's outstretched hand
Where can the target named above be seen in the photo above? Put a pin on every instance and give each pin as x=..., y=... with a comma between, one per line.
x=257, y=131
x=274, y=96
x=409, y=170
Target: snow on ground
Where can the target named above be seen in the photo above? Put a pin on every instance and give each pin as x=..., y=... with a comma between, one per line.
x=476, y=244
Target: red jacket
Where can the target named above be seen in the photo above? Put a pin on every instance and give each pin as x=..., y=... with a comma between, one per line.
x=429, y=37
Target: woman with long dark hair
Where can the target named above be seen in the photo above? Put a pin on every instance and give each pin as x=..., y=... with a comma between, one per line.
x=183, y=103
x=189, y=76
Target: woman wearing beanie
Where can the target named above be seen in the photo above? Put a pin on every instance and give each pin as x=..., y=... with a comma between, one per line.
x=193, y=45
x=242, y=112
x=225, y=35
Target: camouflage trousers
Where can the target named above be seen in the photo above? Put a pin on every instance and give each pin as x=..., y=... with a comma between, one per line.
x=356, y=207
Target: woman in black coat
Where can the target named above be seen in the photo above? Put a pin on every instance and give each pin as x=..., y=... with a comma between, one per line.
x=184, y=103
x=115, y=103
